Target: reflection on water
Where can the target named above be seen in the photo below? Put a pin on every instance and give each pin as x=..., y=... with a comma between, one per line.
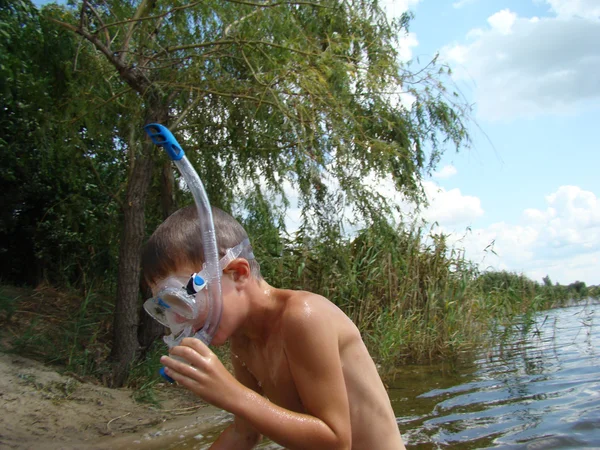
x=539, y=388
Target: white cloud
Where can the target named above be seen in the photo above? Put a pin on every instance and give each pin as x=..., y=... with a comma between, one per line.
x=562, y=241
x=503, y=21
x=577, y=268
x=450, y=208
x=394, y=10
x=589, y=9
x=406, y=44
x=406, y=99
x=523, y=67
x=293, y=216
x=445, y=172
x=462, y=3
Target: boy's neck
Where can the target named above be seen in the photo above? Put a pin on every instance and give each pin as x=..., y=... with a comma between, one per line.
x=265, y=305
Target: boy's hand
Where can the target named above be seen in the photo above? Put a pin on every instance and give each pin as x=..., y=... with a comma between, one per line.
x=205, y=375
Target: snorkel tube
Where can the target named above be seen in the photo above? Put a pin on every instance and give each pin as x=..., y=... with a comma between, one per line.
x=162, y=137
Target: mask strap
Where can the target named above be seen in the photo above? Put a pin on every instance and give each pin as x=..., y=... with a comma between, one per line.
x=236, y=251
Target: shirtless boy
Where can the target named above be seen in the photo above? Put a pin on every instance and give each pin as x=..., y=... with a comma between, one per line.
x=303, y=376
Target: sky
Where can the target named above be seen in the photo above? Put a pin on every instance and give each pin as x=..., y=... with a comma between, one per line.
x=528, y=186
x=529, y=183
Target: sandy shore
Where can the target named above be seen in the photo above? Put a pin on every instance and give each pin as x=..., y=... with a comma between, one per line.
x=42, y=409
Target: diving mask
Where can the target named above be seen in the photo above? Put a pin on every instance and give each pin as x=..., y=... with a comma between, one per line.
x=182, y=304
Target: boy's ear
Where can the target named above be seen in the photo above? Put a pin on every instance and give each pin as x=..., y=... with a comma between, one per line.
x=239, y=269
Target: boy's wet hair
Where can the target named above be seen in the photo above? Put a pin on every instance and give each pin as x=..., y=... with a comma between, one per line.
x=177, y=243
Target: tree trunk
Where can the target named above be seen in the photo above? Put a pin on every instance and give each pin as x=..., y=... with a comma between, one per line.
x=167, y=189
x=149, y=329
x=125, y=344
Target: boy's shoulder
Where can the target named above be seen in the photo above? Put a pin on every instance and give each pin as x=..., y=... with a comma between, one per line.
x=303, y=304
x=306, y=312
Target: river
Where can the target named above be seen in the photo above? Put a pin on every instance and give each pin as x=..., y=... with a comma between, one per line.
x=537, y=388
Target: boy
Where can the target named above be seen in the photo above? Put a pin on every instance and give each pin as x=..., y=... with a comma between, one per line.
x=303, y=376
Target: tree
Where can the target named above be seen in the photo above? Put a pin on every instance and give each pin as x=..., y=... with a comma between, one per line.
x=579, y=289
x=264, y=93
x=56, y=180
x=547, y=281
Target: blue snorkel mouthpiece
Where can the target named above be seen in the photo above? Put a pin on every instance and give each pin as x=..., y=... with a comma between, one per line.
x=162, y=137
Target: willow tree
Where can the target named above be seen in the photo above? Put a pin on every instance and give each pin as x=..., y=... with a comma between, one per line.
x=263, y=92
x=57, y=179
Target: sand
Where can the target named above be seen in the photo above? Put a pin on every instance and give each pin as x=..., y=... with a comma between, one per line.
x=42, y=409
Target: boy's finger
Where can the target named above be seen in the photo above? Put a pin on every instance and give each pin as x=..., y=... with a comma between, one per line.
x=186, y=370
x=179, y=378
x=188, y=382
x=197, y=345
x=190, y=355
x=174, y=364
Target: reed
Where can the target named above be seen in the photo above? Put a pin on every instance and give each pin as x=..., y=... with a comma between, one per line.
x=413, y=297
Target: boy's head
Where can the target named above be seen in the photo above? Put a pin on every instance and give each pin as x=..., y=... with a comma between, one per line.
x=177, y=243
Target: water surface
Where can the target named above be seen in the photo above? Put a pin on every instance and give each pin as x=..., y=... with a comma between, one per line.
x=538, y=388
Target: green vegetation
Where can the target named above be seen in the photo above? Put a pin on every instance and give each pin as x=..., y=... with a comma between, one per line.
x=413, y=298
x=60, y=327
x=262, y=96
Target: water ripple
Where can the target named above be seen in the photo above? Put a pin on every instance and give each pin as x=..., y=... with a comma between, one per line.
x=538, y=388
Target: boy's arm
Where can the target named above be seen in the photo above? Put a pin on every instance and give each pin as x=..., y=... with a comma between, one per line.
x=311, y=345
x=240, y=434
x=232, y=439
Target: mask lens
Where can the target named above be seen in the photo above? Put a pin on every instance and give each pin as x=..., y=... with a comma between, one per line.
x=181, y=307
x=179, y=302
x=157, y=311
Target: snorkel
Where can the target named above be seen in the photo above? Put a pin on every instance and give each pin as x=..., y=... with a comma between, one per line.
x=162, y=137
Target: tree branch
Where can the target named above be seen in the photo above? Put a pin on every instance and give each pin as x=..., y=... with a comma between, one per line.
x=114, y=196
x=138, y=12
x=185, y=112
x=105, y=102
x=68, y=26
x=274, y=4
x=238, y=21
x=224, y=94
x=191, y=5
x=81, y=16
x=77, y=55
x=132, y=76
x=100, y=21
x=237, y=41
x=142, y=19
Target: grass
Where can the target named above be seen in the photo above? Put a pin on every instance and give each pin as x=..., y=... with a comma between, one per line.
x=144, y=374
x=61, y=327
x=9, y=299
